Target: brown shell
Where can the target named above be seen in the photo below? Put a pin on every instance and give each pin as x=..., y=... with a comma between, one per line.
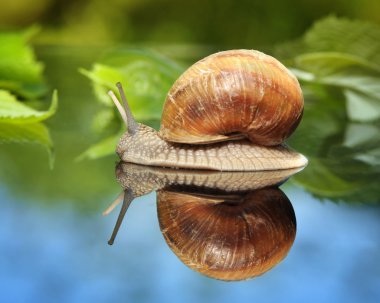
x=227, y=239
x=231, y=93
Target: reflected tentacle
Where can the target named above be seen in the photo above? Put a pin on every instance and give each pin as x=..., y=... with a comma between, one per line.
x=110, y=208
x=128, y=198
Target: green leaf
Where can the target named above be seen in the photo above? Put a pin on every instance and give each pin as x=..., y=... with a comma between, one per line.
x=354, y=37
x=30, y=133
x=19, y=71
x=344, y=54
x=360, y=134
x=371, y=157
x=363, y=139
x=320, y=180
x=13, y=111
x=25, y=133
x=104, y=120
x=362, y=107
x=146, y=77
x=338, y=35
x=101, y=149
x=327, y=63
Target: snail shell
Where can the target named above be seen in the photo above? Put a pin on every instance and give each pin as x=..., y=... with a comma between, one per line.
x=227, y=239
x=232, y=94
x=244, y=98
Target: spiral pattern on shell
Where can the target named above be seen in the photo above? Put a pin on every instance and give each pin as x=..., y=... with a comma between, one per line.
x=233, y=93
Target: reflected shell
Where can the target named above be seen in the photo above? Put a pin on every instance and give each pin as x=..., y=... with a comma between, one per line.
x=233, y=93
x=225, y=238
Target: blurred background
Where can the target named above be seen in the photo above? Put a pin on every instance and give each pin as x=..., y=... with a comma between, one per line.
x=57, y=176
x=223, y=24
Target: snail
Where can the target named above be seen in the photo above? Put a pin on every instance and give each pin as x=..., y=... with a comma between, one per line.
x=230, y=111
x=225, y=225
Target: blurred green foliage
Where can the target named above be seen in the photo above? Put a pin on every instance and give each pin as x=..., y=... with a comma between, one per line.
x=340, y=53
x=331, y=68
x=336, y=61
x=20, y=72
x=15, y=112
x=21, y=75
x=20, y=123
x=219, y=23
x=24, y=171
x=338, y=64
x=147, y=77
x=344, y=157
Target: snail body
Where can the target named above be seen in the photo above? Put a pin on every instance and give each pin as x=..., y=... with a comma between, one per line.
x=147, y=148
x=142, y=180
x=230, y=111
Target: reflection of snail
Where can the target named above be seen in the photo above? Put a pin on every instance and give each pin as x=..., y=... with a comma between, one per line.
x=230, y=111
x=228, y=238
x=224, y=225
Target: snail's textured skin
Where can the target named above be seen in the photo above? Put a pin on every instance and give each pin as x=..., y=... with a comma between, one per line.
x=230, y=93
x=141, y=179
x=147, y=148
